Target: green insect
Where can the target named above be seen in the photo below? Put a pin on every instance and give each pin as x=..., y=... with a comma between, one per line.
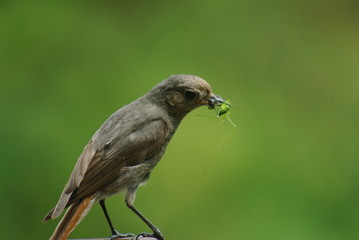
x=223, y=109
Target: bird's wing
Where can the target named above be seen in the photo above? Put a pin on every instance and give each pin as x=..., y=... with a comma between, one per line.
x=132, y=150
x=97, y=168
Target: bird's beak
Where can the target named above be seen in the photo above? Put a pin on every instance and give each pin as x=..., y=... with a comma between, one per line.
x=212, y=101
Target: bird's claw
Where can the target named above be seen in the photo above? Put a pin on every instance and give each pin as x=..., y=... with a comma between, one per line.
x=157, y=235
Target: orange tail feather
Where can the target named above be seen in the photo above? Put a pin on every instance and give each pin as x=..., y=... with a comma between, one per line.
x=72, y=218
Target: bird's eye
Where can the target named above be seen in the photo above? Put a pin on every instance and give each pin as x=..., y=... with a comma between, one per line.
x=190, y=95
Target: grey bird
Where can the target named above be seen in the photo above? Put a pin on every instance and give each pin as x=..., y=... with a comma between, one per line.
x=121, y=154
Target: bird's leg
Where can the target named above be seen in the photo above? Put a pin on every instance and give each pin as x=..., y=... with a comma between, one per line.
x=130, y=197
x=156, y=231
x=115, y=233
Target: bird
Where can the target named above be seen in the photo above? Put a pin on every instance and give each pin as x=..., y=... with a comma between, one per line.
x=123, y=151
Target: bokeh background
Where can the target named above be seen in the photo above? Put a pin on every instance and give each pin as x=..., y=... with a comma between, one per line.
x=288, y=171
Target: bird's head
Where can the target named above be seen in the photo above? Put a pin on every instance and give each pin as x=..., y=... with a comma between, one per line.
x=182, y=93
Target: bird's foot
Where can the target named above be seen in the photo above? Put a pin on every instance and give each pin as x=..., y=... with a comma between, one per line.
x=158, y=235
x=117, y=235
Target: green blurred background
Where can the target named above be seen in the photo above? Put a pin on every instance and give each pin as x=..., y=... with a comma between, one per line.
x=288, y=171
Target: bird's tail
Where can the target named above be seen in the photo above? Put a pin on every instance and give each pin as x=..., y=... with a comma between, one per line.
x=73, y=216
